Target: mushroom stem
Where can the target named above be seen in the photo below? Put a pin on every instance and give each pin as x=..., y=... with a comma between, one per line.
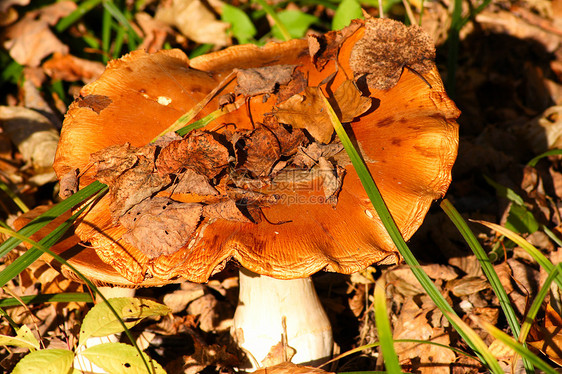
x=272, y=311
x=82, y=363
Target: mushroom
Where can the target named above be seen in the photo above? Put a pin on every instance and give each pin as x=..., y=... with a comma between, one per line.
x=285, y=223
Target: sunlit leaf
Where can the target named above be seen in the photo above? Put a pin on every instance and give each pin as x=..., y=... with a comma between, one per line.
x=48, y=361
x=119, y=358
x=101, y=321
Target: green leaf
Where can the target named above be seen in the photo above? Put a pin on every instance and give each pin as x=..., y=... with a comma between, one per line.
x=347, y=10
x=297, y=23
x=47, y=361
x=24, y=338
x=119, y=358
x=241, y=25
x=521, y=220
x=101, y=321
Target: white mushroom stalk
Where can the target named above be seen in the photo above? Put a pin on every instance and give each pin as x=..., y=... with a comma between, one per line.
x=82, y=363
x=274, y=312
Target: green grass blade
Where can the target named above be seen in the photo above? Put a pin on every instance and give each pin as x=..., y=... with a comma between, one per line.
x=106, y=24
x=536, y=305
x=66, y=297
x=552, y=152
x=121, y=19
x=15, y=198
x=48, y=216
x=488, y=270
x=389, y=224
x=32, y=254
x=273, y=14
x=517, y=347
x=385, y=332
x=78, y=13
x=534, y=252
x=481, y=347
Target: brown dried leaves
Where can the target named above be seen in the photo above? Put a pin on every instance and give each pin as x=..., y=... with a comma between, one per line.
x=386, y=48
x=199, y=151
x=307, y=111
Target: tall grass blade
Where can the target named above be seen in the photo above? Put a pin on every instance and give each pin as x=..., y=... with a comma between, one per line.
x=385, y=332
x=66, y=297
x=517, y=347
x=273, y=14
x=536, y=305
x=15, y=198
x=534, y=252
x=78, y=13
x=389, y=224
x=488, y=270
x=59, y=209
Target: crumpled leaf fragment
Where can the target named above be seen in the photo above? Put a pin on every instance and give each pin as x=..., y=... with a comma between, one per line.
x=161, y=226
x=325, y=48
x=307, y=112
x=296, y=85
x=307, y=157
x=69, y=184
x=198, y=151
x=348, y=102
x=129, y=172
x=289, y=139
x=191, y=182
x=264, y=80
x=258, y=152
x=228, y=210
x=71, y=68
x=549, y=337
x=332, y=178
x=386, y=48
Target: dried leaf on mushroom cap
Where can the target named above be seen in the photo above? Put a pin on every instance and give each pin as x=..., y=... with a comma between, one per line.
x=408, y=138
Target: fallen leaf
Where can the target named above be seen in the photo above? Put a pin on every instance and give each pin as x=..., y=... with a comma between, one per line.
x=296, y=85
x=198, y=151
x=97, y=103
x=228, y=210
x=191, y=182
x=290, y=368
x=155, y=32
x=549, y=336
x=325, y=48
x=194, y=20
x=332, y=179
x=289, y=139
x=160, y=226
x=30, y=39
x=307, y=112
x=264, y=80
x=348, y=102
x=6, y=4
x=129, y=173
x=309, y=156
x=278, y=354
x=71, y=68
x=257, y=152
x=34, y=135
x=387, y=48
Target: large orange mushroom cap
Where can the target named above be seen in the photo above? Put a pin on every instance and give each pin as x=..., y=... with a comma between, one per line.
x=408, y=138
